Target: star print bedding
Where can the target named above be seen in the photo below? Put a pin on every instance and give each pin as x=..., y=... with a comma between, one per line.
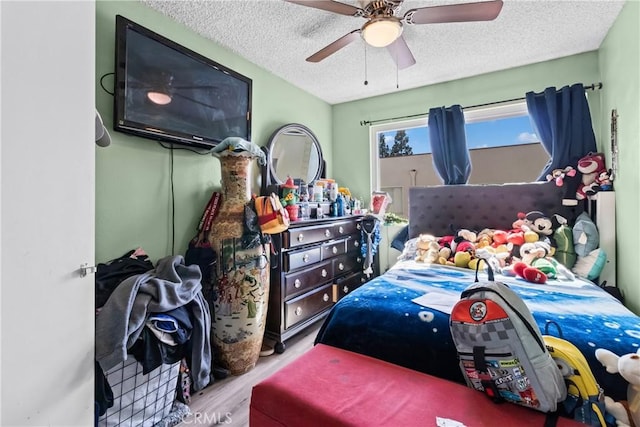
x=403, y=317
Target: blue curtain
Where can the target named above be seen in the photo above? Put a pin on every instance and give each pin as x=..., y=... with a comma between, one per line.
x=449, y=144
x=562, y=121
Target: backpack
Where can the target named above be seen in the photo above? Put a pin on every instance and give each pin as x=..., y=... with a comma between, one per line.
x=500, y=348
x=585, y=398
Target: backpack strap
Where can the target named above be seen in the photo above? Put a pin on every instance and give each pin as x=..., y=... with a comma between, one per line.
x=551, y=420
x=489, y=271
x=489, y=385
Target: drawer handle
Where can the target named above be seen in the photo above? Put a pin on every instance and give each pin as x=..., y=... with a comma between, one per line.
x=327, y=232
x=305, y=258
x=324, y=273
x=345, y=289
x=325, y=297
x=298, y=311
x=341, y=266
x=356, y=244
x=334, y=250
x=297, y=283
x=300, y=237
x=340, y=229
x=359, y=226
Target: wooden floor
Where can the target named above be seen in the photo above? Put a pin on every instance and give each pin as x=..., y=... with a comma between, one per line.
x=226, y=402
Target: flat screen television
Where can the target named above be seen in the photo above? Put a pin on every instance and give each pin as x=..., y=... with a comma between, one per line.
x=166, y=92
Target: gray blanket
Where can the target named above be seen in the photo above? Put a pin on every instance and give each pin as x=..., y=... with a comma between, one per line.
x=170, y=285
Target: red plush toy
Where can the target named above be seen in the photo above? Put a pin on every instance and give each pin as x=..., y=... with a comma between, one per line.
x=529, y=273
x=590, y=166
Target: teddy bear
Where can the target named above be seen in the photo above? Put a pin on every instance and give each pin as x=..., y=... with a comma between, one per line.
x=427, y=249
x=484, y=238
x=590, y=166
x=628, y=366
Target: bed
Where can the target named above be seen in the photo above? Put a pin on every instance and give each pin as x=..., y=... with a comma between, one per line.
x=381, y=319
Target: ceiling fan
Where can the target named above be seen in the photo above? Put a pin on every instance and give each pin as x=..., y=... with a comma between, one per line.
x=384, y=29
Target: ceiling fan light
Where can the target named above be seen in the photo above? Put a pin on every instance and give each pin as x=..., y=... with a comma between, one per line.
x=382, y=32
x=160, y=98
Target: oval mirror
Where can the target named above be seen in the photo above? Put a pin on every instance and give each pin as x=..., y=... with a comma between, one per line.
x=294, y=151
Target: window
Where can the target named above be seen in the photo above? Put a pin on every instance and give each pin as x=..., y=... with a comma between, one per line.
x=499, y=134
x=496, y=126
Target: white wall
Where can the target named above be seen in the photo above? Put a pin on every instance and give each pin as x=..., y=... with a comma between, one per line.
x=47, y=225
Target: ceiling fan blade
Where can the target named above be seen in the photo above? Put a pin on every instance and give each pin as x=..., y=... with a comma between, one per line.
x=401, y=53
x=481, y=11
x=331, y=6
x=334, y=47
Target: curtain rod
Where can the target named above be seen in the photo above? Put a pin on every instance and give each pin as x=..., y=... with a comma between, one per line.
x=593, y=86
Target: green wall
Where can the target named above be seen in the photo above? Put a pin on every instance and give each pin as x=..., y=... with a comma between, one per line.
x=619, y=58
x=133, y=179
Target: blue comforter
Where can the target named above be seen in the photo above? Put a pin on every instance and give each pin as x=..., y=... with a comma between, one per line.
x=380, y=319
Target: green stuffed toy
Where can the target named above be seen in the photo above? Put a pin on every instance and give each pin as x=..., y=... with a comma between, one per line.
x=565, y=252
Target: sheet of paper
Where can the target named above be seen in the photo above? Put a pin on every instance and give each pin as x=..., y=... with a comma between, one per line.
x=438, y=301
x=447, y=422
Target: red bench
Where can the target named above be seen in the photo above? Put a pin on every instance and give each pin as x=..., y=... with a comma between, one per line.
x=328, y=386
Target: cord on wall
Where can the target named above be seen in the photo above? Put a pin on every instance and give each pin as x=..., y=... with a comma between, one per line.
x=173, y=209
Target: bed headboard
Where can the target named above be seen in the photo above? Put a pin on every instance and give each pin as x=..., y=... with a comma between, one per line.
x=435, y=209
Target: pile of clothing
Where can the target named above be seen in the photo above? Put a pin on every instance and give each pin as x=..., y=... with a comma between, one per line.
x=157, y=315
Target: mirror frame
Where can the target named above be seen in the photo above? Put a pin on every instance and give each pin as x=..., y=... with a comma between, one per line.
x=270, y=177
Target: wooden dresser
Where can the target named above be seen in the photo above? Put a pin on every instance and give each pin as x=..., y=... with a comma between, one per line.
x=317, y=263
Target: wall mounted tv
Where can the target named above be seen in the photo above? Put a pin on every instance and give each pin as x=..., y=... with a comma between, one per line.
x=167, y=92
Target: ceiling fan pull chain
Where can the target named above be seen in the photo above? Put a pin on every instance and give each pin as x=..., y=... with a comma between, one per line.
x=397, y=82
x=366, y=82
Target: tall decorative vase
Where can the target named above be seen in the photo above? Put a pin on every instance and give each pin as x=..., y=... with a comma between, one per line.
x=241, y=282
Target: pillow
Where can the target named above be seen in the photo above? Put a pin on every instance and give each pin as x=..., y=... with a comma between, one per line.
x=591, y=266
x=409, y=250
x=585, y=235
x=399, y=240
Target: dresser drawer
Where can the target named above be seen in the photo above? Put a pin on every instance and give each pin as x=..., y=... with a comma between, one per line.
x=346, y=263
x=308, y=305
x=345, y=285
x=354, y=243
x=296, y=283
x=296, y=237
x=333, y=249
x=345, y=228
x=303, y=258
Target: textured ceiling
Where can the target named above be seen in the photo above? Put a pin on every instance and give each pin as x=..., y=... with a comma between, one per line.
x=278, y=36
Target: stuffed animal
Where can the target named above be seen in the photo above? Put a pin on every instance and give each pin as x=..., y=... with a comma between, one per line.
x=604, y=180
x=559, y=175
x=485, y=238
x=537, y=266
x=427, y=249
x=539, y=222
x=628, y=366
x=569, y=178
x=495, y=257
x=590, y=166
